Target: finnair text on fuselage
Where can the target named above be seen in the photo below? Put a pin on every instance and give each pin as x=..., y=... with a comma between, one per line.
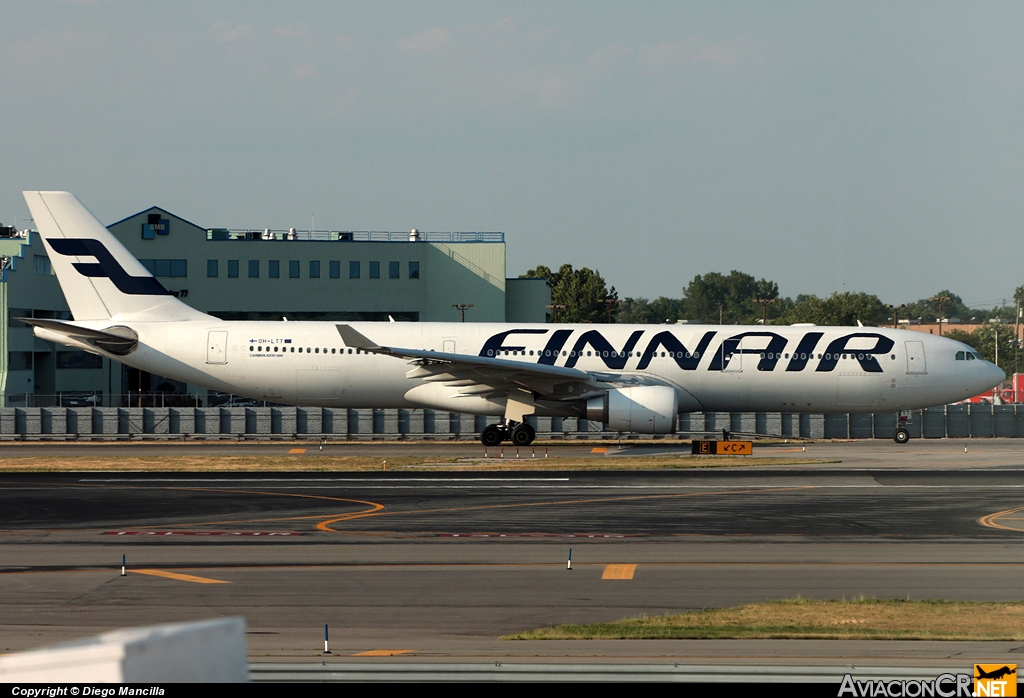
x=769, y=347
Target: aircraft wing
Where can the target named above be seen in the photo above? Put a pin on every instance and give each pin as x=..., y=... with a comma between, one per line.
x=482, y=375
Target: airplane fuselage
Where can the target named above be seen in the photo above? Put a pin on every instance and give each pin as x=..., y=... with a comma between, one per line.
x=713, y=368
x=630, y=378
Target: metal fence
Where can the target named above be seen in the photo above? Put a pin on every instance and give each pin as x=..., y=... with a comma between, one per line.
x=951, y=421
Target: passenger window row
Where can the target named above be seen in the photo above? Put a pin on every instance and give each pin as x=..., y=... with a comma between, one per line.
x=300, y=350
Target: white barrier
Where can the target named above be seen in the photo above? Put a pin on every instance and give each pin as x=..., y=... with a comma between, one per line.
x=201, y=652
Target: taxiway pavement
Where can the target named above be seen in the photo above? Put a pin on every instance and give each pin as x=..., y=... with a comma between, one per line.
x=436, y=566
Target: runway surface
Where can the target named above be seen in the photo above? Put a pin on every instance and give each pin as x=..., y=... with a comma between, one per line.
x=435, y=566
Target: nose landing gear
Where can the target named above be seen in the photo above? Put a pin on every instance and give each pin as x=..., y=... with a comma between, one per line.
x=519, y=433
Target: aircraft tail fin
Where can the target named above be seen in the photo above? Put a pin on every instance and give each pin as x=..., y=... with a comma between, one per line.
x=100, y=278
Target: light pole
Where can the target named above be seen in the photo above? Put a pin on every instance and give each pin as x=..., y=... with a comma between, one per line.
x=996, y=334
x=1016, y=339
x=764, y=303
x=941, y=300
x=895, y=313
x=609, y=304
x=461, y=307
x=554, y=311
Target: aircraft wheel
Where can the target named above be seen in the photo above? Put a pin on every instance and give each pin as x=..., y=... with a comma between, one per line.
x=491, y=435
x=901, y=436
x=523, y=435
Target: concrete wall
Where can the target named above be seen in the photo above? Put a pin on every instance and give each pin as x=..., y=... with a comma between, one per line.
x=952, y=421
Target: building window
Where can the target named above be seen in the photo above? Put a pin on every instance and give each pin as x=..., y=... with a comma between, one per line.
x=335, y=270
x=212, y=268
x=392, y=270
x=41, y=264
x=232, y=268
x=78, y=359
x=19, y=361
x=293, y=269
x=374, y=270
x=353, y=270
x=414, y=270
x=314, y=269
x=254, y=268
x=166, y=267
x=14, y=313
x=274, y=269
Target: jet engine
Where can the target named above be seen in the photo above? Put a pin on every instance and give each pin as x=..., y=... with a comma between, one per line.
x=645, y=409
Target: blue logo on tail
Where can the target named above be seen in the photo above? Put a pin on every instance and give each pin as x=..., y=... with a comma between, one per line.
x=106, y=266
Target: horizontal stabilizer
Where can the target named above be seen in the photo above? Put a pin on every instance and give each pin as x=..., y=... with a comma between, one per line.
x=117, y=340
x=354, y=339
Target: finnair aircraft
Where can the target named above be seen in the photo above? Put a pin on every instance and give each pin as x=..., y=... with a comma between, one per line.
x=632, y=378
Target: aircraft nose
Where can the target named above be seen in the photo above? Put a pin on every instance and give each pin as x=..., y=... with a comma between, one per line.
x=995, y=374
x=989, y=377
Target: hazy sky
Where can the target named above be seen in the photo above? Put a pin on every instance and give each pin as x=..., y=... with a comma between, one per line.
x=828, y=146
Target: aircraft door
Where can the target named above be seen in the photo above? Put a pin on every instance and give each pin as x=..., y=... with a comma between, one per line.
x=915, y=358
x=733, y=362
x=216, y=348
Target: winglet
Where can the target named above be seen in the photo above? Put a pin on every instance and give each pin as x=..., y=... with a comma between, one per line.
x=356, y=340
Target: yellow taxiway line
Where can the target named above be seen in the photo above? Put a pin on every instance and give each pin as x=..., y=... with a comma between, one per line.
x=180, y=577
x=991, y=521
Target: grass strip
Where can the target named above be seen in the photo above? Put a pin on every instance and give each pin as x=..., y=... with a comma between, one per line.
x=317, y=463
x=803, y=619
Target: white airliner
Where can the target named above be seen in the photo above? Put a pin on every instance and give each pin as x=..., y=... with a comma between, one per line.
x=631, y=378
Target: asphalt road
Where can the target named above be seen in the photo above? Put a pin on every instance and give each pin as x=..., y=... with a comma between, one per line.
x=436, y=566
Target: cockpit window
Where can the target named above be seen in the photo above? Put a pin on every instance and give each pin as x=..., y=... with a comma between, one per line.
x=960, y=356
x=971, y=357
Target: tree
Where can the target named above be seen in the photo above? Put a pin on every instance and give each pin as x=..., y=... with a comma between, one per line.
x=838, y=309
x=928, y=310
x=730, y=299
x=583, y=292
x=640, y=311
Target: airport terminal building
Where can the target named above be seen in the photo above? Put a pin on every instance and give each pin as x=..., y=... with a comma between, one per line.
x=238, y=274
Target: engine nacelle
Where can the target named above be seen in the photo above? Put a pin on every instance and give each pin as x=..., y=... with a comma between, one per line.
x=645, y=409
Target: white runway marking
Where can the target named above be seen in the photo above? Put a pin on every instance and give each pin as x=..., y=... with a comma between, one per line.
x=333, y=479
x=534, y=484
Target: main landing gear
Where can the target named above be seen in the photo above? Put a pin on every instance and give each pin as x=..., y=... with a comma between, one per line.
x=519, y=433
x=901, y=435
